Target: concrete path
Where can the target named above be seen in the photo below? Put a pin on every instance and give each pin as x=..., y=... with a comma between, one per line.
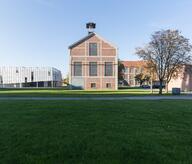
x=189, y=97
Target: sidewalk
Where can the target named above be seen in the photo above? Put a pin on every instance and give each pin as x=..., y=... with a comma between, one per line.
x=182, y=97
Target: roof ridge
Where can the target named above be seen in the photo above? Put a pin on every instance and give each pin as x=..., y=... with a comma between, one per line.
x=82, y=39
x=89, y=36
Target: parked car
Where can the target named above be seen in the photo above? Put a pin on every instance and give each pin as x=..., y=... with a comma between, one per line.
x=157, y=86
x=145, y=86
x=123, y=83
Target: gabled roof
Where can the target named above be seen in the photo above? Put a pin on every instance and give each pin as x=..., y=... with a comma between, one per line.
x=87, y=37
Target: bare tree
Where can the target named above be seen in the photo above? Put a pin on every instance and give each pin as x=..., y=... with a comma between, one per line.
x=167, y=52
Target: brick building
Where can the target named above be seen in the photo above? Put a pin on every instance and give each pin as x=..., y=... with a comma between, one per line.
x=182, y=80
x=132, y=68
x=93, y=63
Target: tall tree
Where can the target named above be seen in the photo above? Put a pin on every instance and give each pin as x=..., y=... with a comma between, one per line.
x=167, y=52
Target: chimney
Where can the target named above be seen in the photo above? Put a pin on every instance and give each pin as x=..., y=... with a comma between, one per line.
x=90, y=26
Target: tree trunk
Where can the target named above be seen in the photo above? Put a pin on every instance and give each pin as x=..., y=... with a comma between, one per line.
x=160, y=87
x=167, y=90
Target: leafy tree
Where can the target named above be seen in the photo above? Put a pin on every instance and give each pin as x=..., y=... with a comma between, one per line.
x=141, y=78
x=121, y=69
x=147, y=78
x=66, y=80
x=166, y=54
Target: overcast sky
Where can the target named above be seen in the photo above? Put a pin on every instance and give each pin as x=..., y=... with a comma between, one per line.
x=38, y=32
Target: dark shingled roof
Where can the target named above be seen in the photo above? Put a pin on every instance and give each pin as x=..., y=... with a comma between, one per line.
x=82, y=40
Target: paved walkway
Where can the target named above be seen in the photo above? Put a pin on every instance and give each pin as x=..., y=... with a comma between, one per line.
x=102, y=98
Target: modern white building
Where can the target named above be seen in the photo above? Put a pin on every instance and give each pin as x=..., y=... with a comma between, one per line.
x=19, y=77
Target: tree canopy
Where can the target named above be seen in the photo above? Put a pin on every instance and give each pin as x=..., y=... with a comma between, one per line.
x=166, y=54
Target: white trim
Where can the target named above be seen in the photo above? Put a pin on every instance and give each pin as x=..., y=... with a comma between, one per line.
x=96, y=56
x=98, y=62
x=95, y=42
x=95, y=77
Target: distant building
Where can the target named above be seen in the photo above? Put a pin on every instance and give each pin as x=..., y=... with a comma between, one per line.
x=132, y=68
x=182, y=80
x=19, y=77
x=93, y=64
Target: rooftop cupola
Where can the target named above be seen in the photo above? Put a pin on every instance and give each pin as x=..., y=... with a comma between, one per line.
x=91, y=26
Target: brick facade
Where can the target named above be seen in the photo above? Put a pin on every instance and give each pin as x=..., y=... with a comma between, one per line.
x=182, y=80
x=132, y=68
x=106, y=53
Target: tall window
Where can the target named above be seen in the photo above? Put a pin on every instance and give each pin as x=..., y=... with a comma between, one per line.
x=108, y=69
x=32, y=76
x=77, y=69
x=1, y=80
x=49, y=73
x=126, y=69
x=92, y=49
x=93, y=69
x=25, y=79
x=131, y=70
x=136, y=70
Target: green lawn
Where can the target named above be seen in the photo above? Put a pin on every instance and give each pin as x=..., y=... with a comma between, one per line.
x=95, y=132
x=73, y=93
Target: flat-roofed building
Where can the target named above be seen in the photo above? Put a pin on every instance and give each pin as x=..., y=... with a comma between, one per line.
x=19, y=77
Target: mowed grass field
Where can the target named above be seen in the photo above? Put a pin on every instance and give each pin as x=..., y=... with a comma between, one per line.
x=73, y=93
x=95, y=132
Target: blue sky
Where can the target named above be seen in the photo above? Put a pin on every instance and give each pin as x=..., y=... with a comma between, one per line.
x=38, y=32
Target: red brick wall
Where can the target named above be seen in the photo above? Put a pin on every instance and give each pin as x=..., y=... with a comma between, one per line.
x=106, y=53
